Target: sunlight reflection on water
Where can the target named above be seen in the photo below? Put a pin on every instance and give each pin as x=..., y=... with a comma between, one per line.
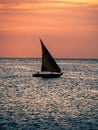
x=66, y=103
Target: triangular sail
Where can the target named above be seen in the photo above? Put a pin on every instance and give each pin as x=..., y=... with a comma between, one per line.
x=48, y=63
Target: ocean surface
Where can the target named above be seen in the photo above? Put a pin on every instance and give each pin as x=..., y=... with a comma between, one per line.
x=34, y=103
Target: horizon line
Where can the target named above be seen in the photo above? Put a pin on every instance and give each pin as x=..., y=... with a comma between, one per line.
x=41, y=58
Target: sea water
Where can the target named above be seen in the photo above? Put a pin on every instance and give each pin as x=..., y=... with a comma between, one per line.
x=34, y=103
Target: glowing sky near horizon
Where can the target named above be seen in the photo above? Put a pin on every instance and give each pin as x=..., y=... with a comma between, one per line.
x=68, y=28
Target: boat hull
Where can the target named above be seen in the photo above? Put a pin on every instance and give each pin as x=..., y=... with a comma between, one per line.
x=49, y=75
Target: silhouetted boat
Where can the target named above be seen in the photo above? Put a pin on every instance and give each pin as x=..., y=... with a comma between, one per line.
x=49, y=66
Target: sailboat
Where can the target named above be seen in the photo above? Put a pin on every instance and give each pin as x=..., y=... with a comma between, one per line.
x=49, y=67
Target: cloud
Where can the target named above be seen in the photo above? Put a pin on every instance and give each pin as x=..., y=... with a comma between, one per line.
x=42, y=4
x=16, y=1
x=41, y=1
x=70, y=23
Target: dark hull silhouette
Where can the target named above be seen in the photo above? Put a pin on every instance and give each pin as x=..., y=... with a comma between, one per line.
x=48, y=75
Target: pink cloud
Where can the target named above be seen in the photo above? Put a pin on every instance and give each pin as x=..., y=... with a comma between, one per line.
x=69, y=29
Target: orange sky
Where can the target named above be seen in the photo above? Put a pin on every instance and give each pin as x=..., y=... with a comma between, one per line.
x=68, y=28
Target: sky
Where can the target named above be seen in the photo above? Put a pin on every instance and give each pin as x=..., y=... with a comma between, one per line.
x=68, y=28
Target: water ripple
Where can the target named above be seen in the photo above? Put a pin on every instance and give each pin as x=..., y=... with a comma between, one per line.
x=66, y=103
